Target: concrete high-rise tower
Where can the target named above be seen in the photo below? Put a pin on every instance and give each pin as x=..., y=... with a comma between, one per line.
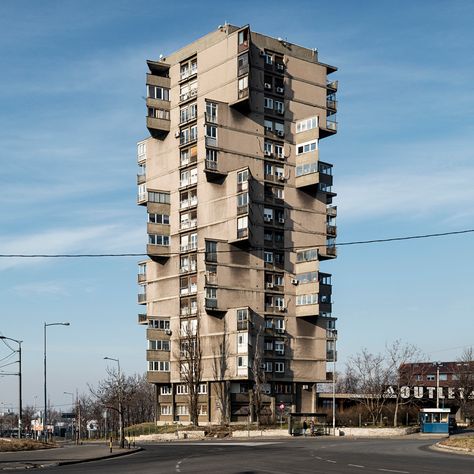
x=239, y=217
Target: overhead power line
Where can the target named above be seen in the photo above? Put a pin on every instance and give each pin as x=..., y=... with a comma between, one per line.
x=283, y=249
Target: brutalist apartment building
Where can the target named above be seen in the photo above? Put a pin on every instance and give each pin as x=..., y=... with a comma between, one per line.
x=239, y=217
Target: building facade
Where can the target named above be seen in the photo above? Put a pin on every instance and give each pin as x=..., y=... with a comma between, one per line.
x=239, y=217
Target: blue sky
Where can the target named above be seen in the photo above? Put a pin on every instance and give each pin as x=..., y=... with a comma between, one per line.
x=72, y=110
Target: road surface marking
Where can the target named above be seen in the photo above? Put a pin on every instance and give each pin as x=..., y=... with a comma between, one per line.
x=356, y=465
x=329, y=460
x=224, y=443
x=393, y=470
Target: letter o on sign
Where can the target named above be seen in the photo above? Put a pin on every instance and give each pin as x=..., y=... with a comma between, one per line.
x=405, y=392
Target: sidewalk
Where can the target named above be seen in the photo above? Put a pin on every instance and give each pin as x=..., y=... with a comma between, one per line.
x=66, y=454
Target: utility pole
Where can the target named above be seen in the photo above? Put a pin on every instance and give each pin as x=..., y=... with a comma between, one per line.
x=20, y=397
x=120, y=409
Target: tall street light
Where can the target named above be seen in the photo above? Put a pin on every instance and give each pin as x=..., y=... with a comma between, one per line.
x=45, y=414
x=20, y=399
x=122, y=439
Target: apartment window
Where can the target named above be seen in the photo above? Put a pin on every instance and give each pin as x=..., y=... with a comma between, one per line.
x=268, y=235
x=242, y=362
x=211, y=111
x=188, y=112
x=279, y=367
x=202, y=389
x=306, y=124
x=307, y=168
x=268, y=367
x=158, y=366
x=307, y=277
x=269, y=323
x=242, y=342
x=211, y=131
x=242, y=199
x=279, y=128
x=211, y=251
x=268, y=125
x=243, y=64
x=156, y=92
x=162, y=198
x=268, y=148
x=156, y=239
x=267, y=214
x=182, y=410
x=243, y=37
x=165, y=390
x=165, y=409
x=283, y=388
x=279, y=302
x=159, y=219
x=189, y=327
x=268, y=59
x=243, y=83
x=202, y=409
x=242, y=226
x=211, y=293
x=242, y=176
x=279, y=151
x=311, y=298
x=141, y=151
x=278, y=280
x=307, y=147
x=279, y=107
x=268, y=103
x=268, y=169
x=194, y=66
x=279, y=325
x=279, y=193
x=242, y=319
x=279, y=258
x=159, y=345
x=431, y=377
x=211, y=156
x=153, y=112
x=443, y=377
x=307, y=255
x=268, y=257
x=324, y=279
x=331, y=324
x=193, y=133
x=163, y=324
x=279, y=347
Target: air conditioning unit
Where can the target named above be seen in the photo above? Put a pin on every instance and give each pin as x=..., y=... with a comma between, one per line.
x=280, y=133
x=280, y=67
x=294, y=281
x=282, y=309
x=281, y=220
x=177, y=134
x=269, y=285
x=280, y=90
x=267, y=218
x=268, y=85
x=168, y=332
x=267, y=153
x=263, y=365
x=281, y=178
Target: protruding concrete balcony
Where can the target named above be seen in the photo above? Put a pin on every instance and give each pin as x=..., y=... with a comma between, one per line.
x=327, y=252
x=142, y=319
x=158, y=377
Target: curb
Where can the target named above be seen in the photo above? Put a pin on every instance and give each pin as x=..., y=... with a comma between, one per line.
x=45, y=464
x=452, y=449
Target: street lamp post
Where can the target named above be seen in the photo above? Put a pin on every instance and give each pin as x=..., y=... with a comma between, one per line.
x=121, y=434
x=45, y=413
x=20, y=398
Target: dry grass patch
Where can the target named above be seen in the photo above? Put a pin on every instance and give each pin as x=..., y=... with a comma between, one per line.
x=23, y=445
x=466, y=442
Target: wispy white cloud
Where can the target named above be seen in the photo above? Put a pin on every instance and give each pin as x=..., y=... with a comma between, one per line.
x=398, y=192
x=48, y=288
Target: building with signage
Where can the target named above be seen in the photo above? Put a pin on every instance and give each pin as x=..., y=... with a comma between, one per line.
x=240, y=224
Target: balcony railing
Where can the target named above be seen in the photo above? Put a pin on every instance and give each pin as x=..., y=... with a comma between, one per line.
x=331, y=125
x=331, y=211
x=331, y=230
x=333, y=85
x=189, y=224
x=188, y=247
x=188, y=95
x=141, y=298
x=188, y=203
x=142, y=319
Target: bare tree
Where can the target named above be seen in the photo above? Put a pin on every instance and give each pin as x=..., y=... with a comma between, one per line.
x=464, y=376
x=220, y=366
x=190, y=361
x=401, y=358
x=258, y=374
x=371, y=377
x=111, y=393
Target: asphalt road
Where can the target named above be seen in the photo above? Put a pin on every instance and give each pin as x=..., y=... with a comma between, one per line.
x=310, y=455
